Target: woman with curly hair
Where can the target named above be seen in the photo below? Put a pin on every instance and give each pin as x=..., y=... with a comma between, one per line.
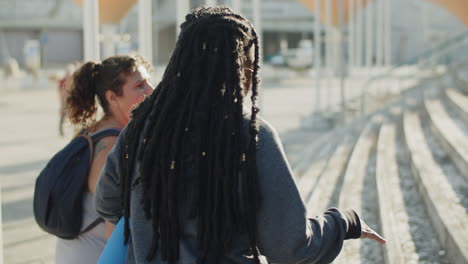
x=118, y=83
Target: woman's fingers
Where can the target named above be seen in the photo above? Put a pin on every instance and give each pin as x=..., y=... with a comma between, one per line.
x=369, y=233
x=374, y=236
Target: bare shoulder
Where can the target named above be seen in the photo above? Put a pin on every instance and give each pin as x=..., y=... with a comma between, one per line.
x=101, y=150
x=103, y=146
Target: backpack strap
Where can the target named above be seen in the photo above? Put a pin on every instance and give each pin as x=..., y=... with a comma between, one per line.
x=96, y=137
x=91, y=148
x=92, y=225
x=105, y=133
x=91, y=140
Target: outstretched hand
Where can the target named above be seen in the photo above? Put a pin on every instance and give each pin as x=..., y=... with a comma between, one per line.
x=369, y=233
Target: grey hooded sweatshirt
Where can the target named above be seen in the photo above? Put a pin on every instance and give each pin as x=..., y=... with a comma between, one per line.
x=284, y=231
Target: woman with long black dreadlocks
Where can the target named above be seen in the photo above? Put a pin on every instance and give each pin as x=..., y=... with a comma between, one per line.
x=200, y=180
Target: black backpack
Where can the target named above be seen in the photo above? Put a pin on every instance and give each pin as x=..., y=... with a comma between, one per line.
x=59, y=190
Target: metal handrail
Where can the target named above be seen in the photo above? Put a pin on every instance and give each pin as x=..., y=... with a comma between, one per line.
x=463, y=36
x=426, y=56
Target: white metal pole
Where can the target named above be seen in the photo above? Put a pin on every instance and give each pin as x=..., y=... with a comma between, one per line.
x=5, y=53
x=108, y=33
x=380, y=32
x=155, y=50
x=328, y=50
x=424, y=21
x=351, y=27
x=182, y=8
x=236, y=5
x=328, y=28
x=369, y=35
x=340, y=58
x=359, y=32
x=336, y=45
x=317, y=55
x=145, y=31
x=257, y=23
x=91, y=30
x=388, y=33
x=256, y=16
x=210, y=3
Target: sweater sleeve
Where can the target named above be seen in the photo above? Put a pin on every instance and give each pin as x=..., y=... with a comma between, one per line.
x=285, y=234
x=107, y=197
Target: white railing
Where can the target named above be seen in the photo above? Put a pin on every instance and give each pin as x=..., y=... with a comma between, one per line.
x=444, y=58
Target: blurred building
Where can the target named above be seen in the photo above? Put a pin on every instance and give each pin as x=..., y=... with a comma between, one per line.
x=57, y=24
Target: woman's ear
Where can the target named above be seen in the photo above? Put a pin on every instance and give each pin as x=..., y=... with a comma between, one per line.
x=111, y=97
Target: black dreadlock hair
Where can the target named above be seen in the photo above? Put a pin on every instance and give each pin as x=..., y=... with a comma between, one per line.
x=194, y=121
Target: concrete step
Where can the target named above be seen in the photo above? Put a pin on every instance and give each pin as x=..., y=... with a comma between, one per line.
x=304, y=147
x=391, y=203
x=454, y=177
x=459, y=102
x=452, y=138
x=314, y=158
x=447, y=214
x=329, y=181
x=462, y=83
x=309, y=178
x=403, y=217
x=359, y=192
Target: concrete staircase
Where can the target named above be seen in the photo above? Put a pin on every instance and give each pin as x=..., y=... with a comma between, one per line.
x=406, y=174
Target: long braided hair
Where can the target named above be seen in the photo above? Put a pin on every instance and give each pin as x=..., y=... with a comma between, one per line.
x=194, y=122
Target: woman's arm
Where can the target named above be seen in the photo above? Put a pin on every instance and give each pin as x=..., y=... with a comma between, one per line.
x=109, y=229
x=101, y=151
x=107, y=193
x=285, y=234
